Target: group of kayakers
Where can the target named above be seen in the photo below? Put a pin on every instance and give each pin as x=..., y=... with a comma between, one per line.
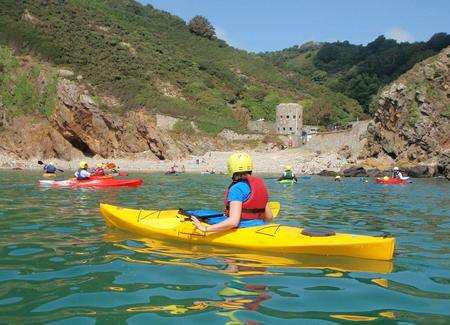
x=84, y=172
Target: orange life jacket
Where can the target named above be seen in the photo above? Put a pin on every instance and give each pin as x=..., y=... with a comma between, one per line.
x=255, y=205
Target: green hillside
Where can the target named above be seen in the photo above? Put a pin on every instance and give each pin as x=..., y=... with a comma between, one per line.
x=149, y=58
x=355, y=70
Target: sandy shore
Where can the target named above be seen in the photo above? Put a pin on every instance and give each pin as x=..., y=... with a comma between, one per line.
x=303, y=162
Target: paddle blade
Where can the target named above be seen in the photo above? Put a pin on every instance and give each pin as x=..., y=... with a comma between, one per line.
x=275, y=207
x=40, y=162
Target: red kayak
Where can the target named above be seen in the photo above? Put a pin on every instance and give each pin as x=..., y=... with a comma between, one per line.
x=102, y=182
x=390, y=181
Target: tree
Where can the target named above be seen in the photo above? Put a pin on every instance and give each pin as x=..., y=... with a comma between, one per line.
x=200, y=26
x=438, y=41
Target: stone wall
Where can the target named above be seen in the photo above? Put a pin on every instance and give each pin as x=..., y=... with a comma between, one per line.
x=334, y=141
x=261, y=126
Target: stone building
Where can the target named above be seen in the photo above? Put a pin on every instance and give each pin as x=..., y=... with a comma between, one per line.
x=289, y=119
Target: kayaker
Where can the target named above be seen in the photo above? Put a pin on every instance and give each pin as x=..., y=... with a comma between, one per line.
x=337, y=178
x=99, y=171
x=396, y=173
x=245, y=198
x=288, y=174
x=50, y=168
x=82, y=173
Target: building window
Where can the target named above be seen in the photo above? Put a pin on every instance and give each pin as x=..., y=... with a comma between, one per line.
x=290, y=129
x=281, y=116
x=293, y=117
x=287, y=116
x=284, y=129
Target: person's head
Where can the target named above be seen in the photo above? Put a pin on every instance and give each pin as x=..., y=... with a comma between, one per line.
x=239, y=165
x=83, y=165
x=99, y=165
x=288, y=168
x=395, y=169
x=337, y=178
x=51, y=163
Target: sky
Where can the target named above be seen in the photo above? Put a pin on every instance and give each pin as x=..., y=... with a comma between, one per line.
x=267, y=25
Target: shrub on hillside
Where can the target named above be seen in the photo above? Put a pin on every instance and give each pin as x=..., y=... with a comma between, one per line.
x=200, y=26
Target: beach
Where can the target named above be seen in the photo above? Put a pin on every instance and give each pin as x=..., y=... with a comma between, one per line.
x=267, y=162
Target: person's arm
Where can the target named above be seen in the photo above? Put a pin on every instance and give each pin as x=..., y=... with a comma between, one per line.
x=229, y=223
x=268, y=216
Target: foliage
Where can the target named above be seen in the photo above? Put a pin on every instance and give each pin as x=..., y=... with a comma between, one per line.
x=183, y=127
x=200, y=26
x=19, y=92
x=357, y=71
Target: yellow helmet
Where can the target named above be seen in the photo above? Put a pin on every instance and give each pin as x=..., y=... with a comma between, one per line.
x=385, y=178
x=239, y=162
x=288, y=167
x=83, y=164
x=338, y=176
x=99, y=165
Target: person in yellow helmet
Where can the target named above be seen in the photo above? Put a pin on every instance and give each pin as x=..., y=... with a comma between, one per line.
x=246, y=198
x=288, y=174
x=82, y=172
x=337, y=178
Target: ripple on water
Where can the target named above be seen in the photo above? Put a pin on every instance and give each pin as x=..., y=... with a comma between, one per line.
x=60, y=264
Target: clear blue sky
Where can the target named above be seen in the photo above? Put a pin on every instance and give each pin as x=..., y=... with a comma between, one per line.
x=265, y=25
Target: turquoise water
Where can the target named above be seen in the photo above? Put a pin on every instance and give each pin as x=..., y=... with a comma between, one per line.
x=60, y=264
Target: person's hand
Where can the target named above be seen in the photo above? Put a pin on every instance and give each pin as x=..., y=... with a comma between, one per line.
x=198, y=224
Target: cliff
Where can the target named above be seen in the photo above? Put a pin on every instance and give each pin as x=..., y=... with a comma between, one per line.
x=411, y=120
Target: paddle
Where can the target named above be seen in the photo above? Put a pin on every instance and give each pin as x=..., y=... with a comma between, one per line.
x=274, y=206
x=41, y=163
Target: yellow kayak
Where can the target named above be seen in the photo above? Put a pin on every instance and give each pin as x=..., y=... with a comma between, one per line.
x=271, y=238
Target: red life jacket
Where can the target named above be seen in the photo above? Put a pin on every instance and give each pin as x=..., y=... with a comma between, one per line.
x=99, y=172
x=255, y=205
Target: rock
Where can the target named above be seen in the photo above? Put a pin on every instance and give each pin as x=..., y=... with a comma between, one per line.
x=443, y=165
x=327, y=173
x=345, y=152
x=410, y=123
x=354, y=172
x=374, y=172
x=419, y=171
x=63, y=73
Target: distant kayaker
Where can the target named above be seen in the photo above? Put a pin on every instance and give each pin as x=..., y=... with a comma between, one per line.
x=396, y=173
x=288, y=174
x=82, y=173
x=50, y=168
x=99, y=171
x=337, y=178
x=246, y=198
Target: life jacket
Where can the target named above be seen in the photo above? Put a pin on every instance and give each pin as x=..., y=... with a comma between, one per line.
x=99, y=172
x=50, y=169
x=255, y=206
x=78, y=175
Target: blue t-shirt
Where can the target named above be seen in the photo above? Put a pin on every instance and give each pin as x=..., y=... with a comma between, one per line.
x=239, y=192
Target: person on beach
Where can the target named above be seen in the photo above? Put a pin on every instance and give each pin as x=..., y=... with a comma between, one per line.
x=50, y=168
x=288, y=174
x=396, y=173
x=246, y=198
x=82, y=173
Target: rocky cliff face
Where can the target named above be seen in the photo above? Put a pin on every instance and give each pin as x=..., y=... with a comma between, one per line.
x=77, y=127
x=411, y=122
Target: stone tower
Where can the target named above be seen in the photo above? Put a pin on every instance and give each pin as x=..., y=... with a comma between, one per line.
x=289, y=119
